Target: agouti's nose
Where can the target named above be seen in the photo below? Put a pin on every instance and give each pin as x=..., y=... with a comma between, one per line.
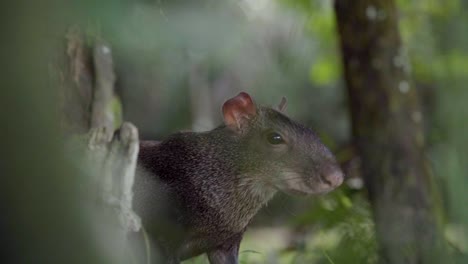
x=333, y=176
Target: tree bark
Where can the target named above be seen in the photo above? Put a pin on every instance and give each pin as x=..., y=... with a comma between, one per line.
x=387, y=129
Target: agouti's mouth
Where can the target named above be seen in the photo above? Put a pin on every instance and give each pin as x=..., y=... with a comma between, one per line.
x=295, y=192
x=298, y=184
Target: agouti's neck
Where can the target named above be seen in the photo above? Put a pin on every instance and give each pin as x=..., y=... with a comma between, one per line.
x=237, y=201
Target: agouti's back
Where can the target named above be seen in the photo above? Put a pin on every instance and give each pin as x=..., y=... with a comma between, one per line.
x=196, y=192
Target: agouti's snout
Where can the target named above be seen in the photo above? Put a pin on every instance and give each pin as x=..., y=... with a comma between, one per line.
x=332, y=176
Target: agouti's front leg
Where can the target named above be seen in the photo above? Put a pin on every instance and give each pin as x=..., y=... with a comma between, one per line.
x=220, y=256
x=227, y=253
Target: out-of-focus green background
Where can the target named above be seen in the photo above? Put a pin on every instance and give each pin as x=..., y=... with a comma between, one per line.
x=177, y=61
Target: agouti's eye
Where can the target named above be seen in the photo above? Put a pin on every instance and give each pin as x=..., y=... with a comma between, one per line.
x=274, y=138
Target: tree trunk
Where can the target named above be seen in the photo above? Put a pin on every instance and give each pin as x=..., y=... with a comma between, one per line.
x=111, y=157
x=387, y=130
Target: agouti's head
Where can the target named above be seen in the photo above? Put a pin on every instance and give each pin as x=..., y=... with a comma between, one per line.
x=285, y=154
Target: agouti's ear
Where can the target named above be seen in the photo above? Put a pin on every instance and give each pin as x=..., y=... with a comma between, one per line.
x=238, y=110
x=283, y=104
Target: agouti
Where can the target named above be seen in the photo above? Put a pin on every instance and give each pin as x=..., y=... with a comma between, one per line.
x=197, y=192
